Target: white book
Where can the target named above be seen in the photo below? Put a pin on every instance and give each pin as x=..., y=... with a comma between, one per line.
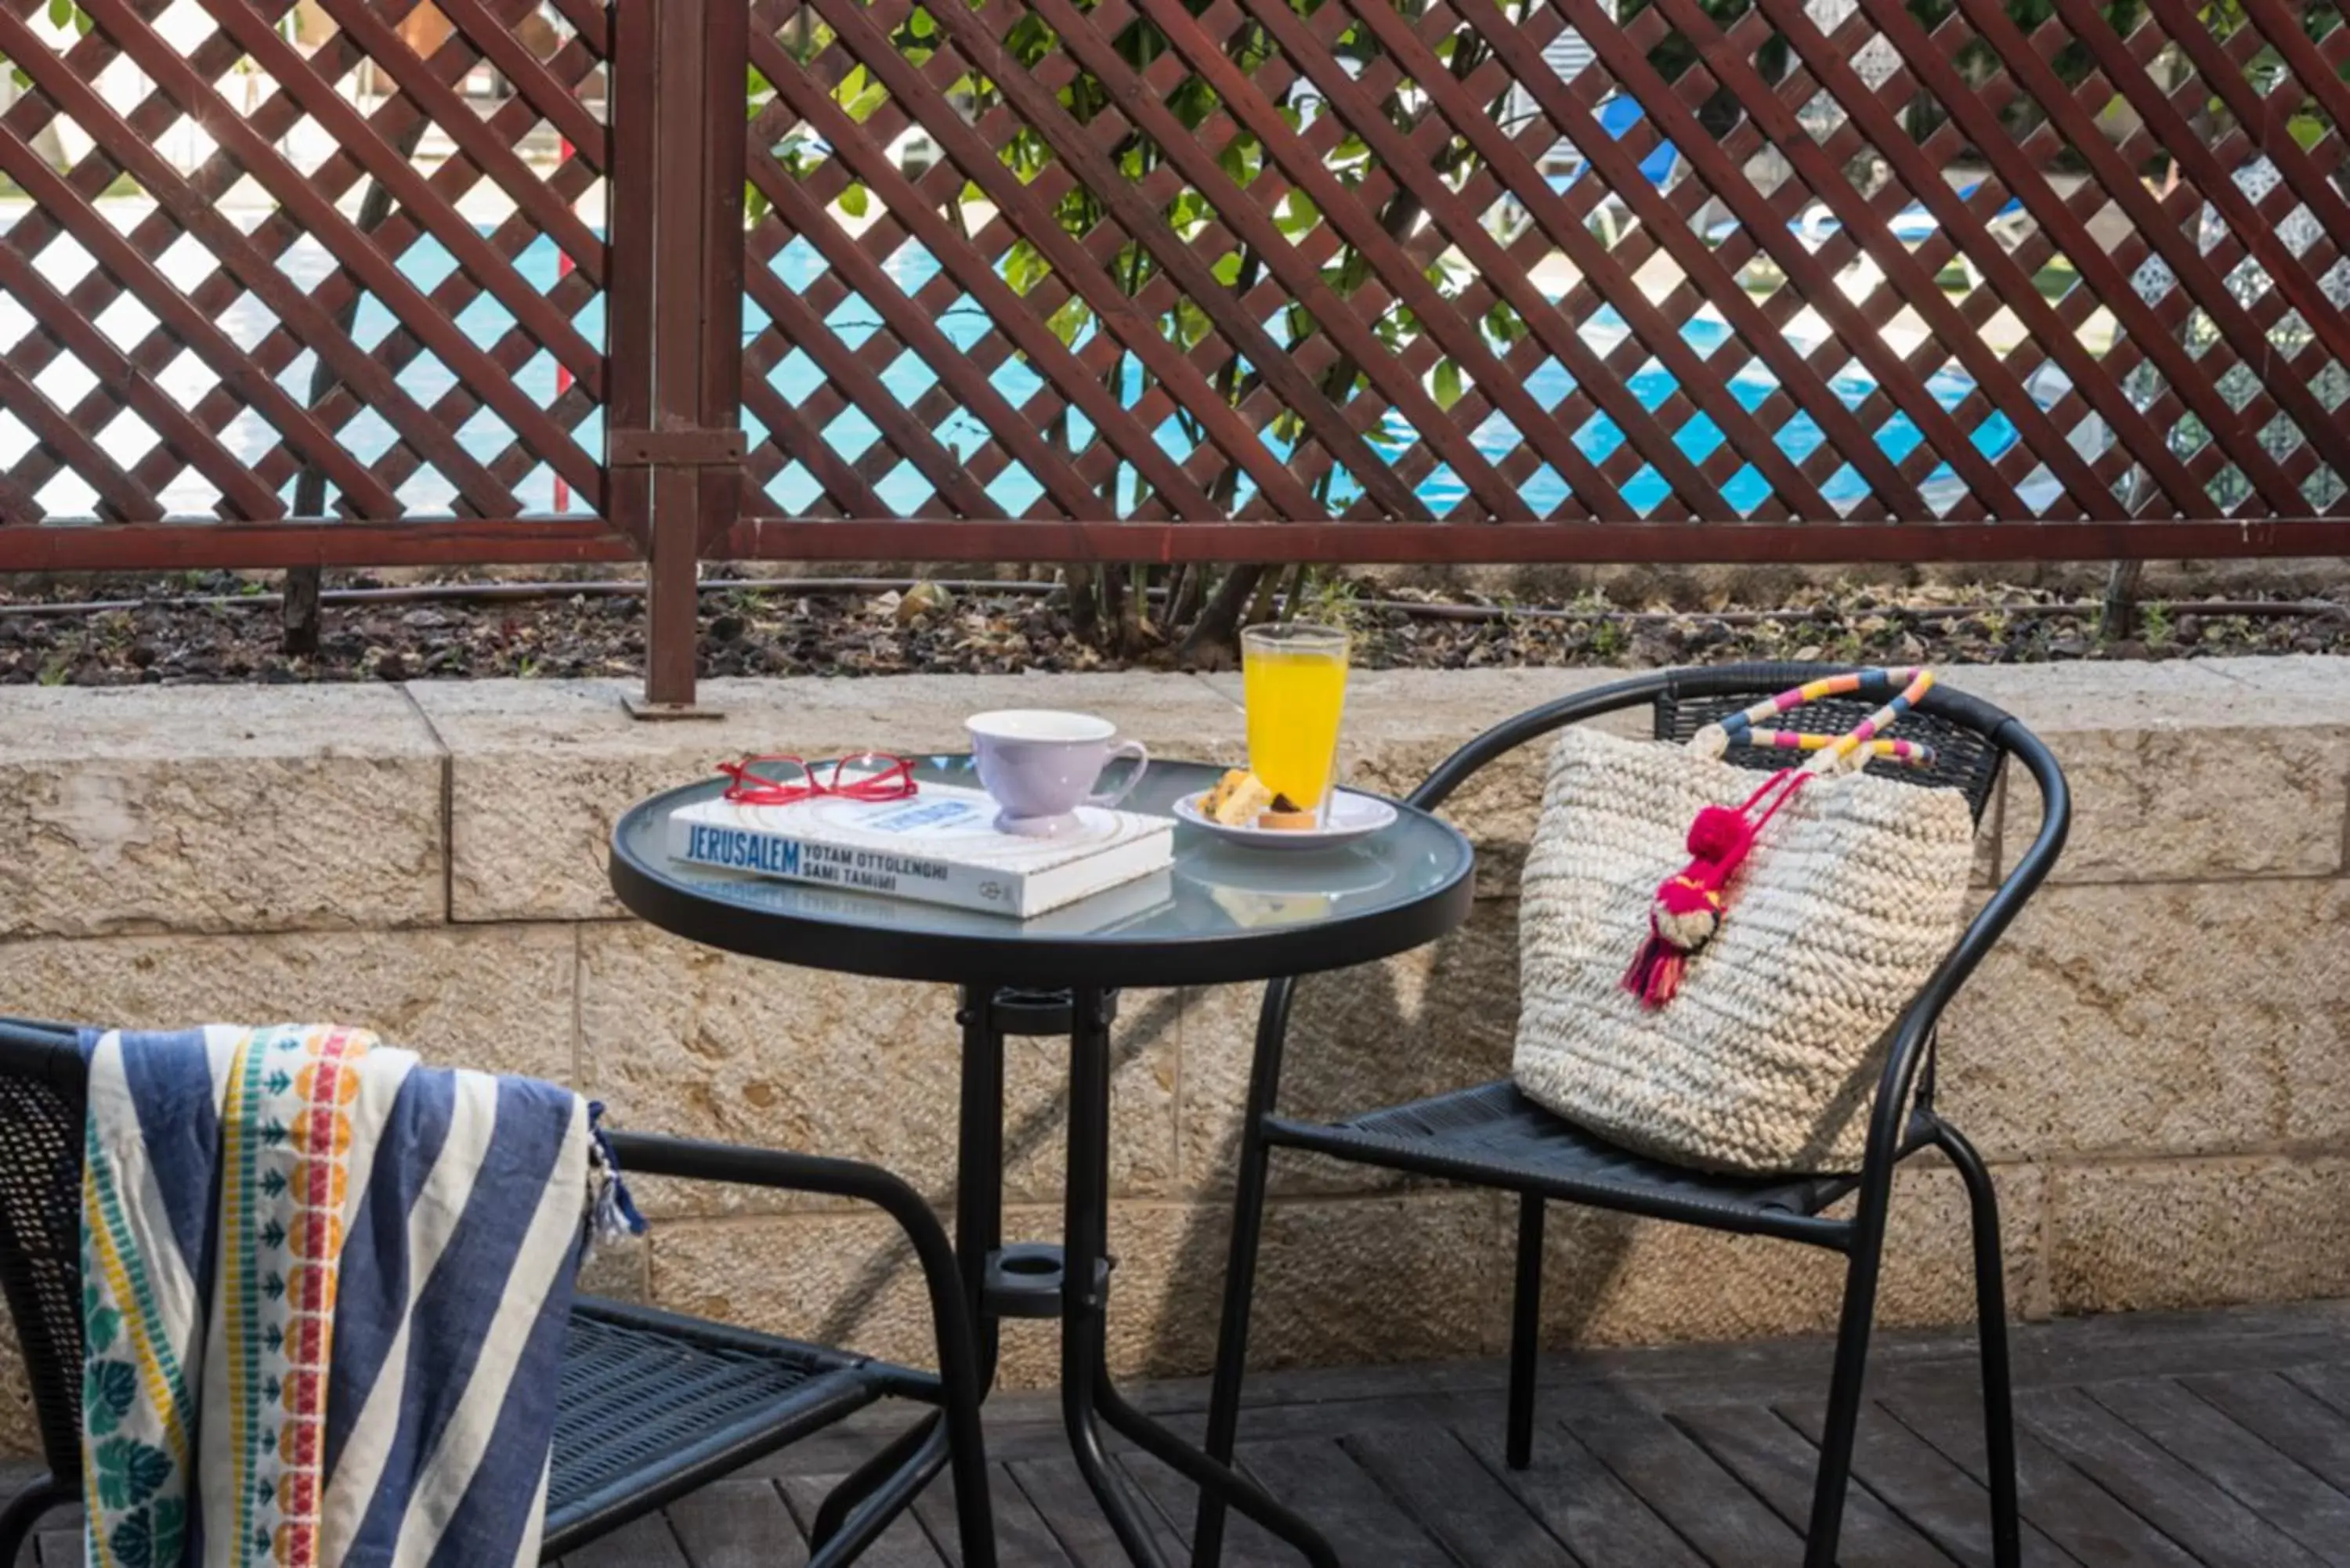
x=939, y=846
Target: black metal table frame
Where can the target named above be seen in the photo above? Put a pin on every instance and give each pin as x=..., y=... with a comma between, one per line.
x=1035, y=1280
x=1014, y=983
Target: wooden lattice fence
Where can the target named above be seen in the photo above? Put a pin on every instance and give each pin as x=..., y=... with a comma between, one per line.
x=1170, y=279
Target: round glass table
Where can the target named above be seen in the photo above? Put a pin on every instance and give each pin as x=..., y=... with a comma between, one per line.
x=1222, y=913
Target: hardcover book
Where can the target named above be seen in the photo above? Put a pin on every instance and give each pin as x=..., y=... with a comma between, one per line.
x=939, y=846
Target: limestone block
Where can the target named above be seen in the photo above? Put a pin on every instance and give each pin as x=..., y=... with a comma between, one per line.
x=1441, y=1018
x=1609, y=1279
x=2178, y=771
x=540, y=770
x=20, y=1431
x=1328, y=1267
x=683, y=1039
x=220, y=808
x=2198, y=1232
x=2188, y=1017
x=501, y=998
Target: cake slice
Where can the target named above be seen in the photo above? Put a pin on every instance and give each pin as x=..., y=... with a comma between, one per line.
x=1239, y=799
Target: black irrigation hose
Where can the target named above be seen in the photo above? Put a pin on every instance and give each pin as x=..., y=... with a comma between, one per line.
x=524, y=593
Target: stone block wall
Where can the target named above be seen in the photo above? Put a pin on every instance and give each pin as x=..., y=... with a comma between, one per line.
x=2158, y=1060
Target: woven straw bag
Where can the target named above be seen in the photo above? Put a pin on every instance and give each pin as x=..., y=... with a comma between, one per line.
x=1715, y=987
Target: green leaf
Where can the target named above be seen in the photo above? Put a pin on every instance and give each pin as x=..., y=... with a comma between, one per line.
x=133, y=1540
x=1228, y=268
x=856, y=201
x=1503, y=325
x=1070, y=320
x=99, y=1321
x=921, y=24
x=130, y=1471
x=1023, y=268
x=60, y=12
x=108, y=1388
x=1448, y=384
x=171, y=1516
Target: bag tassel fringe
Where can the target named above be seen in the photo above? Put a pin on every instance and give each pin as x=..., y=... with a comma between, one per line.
x=1689, y=906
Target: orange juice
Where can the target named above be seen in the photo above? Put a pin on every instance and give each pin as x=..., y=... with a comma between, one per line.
x=1294, y=681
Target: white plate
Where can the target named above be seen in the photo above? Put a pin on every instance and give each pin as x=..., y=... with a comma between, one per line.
x=1350, y=816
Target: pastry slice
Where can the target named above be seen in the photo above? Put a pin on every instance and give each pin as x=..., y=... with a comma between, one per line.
x=1286, y=816
x=1239, y=799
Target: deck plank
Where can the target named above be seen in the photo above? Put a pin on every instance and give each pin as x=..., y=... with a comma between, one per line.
x=1247, y=1544
x=2095, y=1527
x=1582, y=1504
x=2292, y=1419
x=1434, y=1477
x=739, y=1522
x=645, y=1542
x=1928, y=1488
x=2211, y=1441
x=902, y=1546
x=2305, y=1506
x=2160, y=1487
x=1321, y=1480
x=1705, y=1504
x=1023, y=1539
x=1781, y=1464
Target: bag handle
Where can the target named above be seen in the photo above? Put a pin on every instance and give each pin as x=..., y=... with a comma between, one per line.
x=1902, y=688
x=1689, y=906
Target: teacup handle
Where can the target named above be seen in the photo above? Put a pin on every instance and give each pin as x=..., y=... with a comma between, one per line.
x=1135, y=749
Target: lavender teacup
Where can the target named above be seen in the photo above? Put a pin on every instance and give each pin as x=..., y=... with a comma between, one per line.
x=1041, y=765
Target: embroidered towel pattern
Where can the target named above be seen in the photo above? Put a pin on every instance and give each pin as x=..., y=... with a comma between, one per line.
x=326, y=1298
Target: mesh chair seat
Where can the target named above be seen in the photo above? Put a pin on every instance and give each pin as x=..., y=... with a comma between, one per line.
x=1494, y=1136
x=651, y=1405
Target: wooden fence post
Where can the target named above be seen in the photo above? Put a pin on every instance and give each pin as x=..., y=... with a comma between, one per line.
x=675, y=446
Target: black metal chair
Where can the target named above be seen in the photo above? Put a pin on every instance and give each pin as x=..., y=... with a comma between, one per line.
x=1493, y=1136
x=651, y=1405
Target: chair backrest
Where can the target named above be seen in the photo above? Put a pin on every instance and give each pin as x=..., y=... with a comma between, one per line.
x=1966, y=756
x=42, y=1091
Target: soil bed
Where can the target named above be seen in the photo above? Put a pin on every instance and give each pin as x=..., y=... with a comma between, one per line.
x=159, y=638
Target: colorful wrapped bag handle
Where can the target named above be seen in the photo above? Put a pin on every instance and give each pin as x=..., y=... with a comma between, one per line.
x=1901, y=688
x=1690, y=904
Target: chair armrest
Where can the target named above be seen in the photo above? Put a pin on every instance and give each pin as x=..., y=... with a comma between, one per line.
x=695, y=1160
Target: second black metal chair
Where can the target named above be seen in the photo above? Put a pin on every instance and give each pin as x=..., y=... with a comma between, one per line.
x=1493, y=1136
x=651, y=1405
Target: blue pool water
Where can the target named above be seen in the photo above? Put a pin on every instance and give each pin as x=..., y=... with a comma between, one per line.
x=908, y=377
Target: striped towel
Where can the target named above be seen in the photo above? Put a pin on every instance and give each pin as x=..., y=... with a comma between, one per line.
x=324, y=1297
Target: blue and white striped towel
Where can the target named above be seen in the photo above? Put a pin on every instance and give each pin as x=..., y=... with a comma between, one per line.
x=324, y=1301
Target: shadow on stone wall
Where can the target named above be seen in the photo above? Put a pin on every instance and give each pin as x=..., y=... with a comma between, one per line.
x=1359, y=1264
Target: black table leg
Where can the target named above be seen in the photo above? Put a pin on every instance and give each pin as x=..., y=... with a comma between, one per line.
x=1023, y=1280
x=913, y=1456
x=1084, y=1271
x=1087, y=1394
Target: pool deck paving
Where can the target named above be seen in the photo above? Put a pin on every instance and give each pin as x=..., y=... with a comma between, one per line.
x=2219, y=1439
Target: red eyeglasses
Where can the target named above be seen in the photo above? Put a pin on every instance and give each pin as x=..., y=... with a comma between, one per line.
x=783, y=780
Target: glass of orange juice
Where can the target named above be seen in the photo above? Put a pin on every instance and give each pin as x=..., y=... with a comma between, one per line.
x=1293, y=681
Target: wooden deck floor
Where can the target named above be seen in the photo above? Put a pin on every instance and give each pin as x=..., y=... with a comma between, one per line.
x=2219, y=1438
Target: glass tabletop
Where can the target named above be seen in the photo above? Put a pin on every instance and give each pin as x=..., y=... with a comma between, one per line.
x=1220, y=912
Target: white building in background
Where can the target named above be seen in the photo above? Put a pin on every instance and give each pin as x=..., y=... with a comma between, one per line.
x=1569, y=55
